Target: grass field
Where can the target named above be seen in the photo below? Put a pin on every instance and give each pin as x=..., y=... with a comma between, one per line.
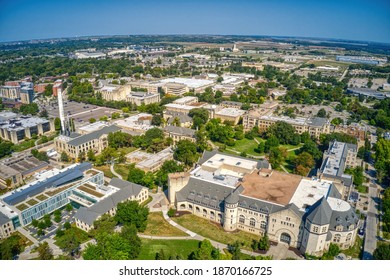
x=215, y=232
x=106, y=170
x=182, y=248
x=126, y=150
x=122, y=169
x=158, y=226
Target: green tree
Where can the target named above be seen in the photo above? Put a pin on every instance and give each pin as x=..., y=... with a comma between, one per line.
x=303, y=163
x=170, y=166
x=91, y=155
x=81, y=157
x=129, y=233
x=382, y=252
x=206, y=251
x=31, y=108
x=282, y=131
x=271, y=142
x=235, y=250
x=92, y=252
x=44, y=251
x=321, y=113
x=57, y=124
x=135, y=175
x=92, y=120
x=199, y=117
x=64, y=157
x=264, y=243
x=276, y=156
x=131, y=213
x=105, y=224
x=11, y=247
x=186, y=152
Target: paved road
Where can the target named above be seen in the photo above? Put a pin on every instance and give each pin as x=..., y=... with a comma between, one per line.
x=371, y=224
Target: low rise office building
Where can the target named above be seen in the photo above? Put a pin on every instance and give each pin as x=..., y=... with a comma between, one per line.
x=314, y=126
x=16, y=128
x=119, y=191
x=136, y=124
x=52, y=190
x=339, y=156
x=150, y=162
x=180, y=133
x=75, y=144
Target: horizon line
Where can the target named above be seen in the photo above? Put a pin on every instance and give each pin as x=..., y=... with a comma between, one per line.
x=197, y=34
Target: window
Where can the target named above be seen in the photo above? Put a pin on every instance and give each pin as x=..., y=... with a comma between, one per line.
x=323, y=230
x=315, y=229
x=241, y=219
x=336, y=238
x=197, y=209
x=263, y=224
x=252, y=222
x=349, y=237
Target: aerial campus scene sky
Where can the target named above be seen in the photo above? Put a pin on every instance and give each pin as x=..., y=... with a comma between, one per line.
x=340, y=19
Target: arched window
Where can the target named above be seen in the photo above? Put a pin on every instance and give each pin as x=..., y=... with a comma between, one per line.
x=219, y=216
x=204, y=211
x=349, y=237
x=182, y=206
x=263, y=224
x=190, y=206
x=252, y=222
x=197, y=209
x=212, y=215
x=241, y=219
x=336, y=238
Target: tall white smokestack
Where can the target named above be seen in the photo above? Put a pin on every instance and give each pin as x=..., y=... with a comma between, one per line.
x=61, y=110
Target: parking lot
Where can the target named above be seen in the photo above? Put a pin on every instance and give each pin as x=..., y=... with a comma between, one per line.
x=80, y=112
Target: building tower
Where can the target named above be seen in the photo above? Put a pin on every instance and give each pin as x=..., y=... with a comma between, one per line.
x=64, y=121
x=231, y=211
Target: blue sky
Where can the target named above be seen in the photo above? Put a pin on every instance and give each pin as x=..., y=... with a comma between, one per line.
x=342, y=19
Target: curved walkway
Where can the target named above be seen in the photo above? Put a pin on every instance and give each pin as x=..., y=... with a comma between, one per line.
x=114, y=172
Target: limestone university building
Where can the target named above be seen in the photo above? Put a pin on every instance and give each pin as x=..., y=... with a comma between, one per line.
x=244, y=194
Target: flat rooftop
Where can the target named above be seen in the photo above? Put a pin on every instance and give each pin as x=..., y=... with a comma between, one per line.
x=222, y=164
x=188, y=107
x=278, y=187
x=136, y=122
x=232, y=112
x=186, y=99
x=191, y=83
x=309, y=192
x=141, y=94
x=316, y=121
x=209, y=176
x=93, y=126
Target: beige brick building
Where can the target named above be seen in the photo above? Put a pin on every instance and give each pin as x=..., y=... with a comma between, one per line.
x=314, y=126
x=75, y=144
x=247, y=195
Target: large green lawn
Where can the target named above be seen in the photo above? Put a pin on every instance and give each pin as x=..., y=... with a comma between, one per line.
x=182, y=248
x=122, y=169
x=158, y=226
x=214, y=231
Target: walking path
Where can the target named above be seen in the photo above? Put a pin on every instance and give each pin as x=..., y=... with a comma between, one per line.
x=28, y=255
x=114, y=172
